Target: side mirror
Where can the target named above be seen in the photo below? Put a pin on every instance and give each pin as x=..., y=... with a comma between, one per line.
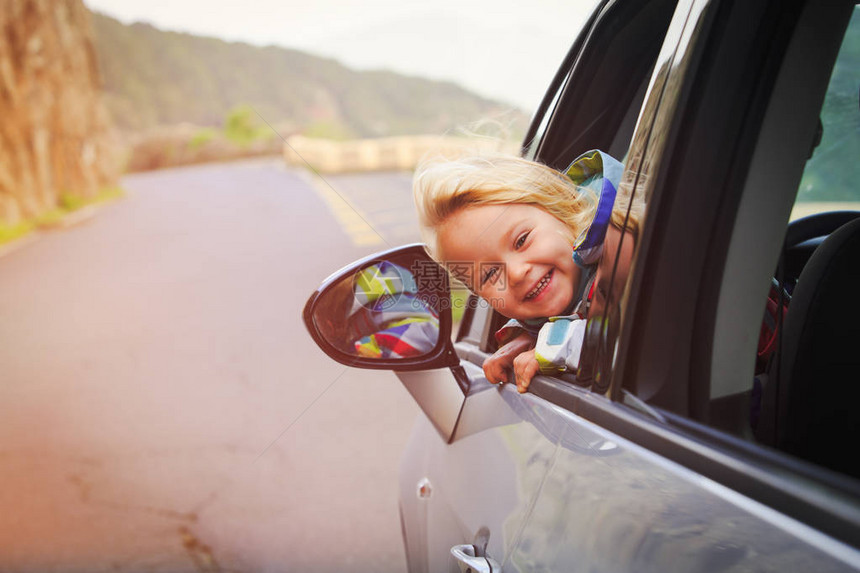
x=389, y=311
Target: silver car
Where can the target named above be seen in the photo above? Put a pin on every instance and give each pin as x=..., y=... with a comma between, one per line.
x=710, y=423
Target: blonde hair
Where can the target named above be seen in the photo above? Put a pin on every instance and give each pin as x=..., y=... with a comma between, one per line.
x=442, y=186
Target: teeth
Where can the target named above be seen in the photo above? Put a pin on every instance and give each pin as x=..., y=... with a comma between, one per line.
x=535, y=291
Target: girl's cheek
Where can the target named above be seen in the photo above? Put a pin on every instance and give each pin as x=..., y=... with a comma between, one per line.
x=568, y=236
x=496, y=302
x=494, y=292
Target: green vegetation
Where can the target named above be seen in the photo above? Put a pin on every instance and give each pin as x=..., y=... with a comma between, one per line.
x=49, y=219
x=242, y=126
x=459, y=298
x=202, y=137
x=66, y=204
x=71, y=202
x=154, y=78
x=832, y=172
x=107, y=194
x=9, y=233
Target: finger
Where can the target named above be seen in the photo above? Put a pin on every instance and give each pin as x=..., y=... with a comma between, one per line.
x=521, y=363
x=496, y=376
x=526, y=374
x=494, y=372
x=488, y=370
x=503, y=376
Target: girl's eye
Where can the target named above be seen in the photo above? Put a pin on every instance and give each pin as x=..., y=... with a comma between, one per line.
x=521, y=239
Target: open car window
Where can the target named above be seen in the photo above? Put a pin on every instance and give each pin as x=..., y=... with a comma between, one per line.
x=598, y=93
x=600, y=100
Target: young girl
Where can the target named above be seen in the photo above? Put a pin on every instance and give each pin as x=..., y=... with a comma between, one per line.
x=526, y=238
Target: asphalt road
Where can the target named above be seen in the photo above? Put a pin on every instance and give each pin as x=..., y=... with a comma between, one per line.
x=162, y=406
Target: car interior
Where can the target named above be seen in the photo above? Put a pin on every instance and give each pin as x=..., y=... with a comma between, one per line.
x=811, y=386
x=808, y=363
x=804, y=391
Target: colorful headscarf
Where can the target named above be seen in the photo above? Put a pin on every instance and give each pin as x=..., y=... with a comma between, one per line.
x=601, y=173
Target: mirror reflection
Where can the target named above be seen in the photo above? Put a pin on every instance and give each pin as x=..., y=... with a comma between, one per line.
x=379, y=312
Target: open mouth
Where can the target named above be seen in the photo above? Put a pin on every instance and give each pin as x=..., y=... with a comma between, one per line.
x=539, y=287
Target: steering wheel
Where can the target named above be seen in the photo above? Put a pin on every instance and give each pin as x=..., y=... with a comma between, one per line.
x=819, y=225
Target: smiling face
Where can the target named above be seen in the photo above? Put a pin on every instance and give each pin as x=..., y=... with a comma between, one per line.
x=518, y=257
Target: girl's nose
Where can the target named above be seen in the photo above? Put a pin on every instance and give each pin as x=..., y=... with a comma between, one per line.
x=518, y=271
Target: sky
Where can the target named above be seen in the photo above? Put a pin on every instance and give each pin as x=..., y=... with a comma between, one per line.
x=507, y=51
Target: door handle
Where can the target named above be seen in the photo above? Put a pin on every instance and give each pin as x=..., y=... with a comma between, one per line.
x=471, y=563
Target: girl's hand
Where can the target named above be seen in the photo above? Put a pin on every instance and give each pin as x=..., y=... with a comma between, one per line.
x=525, y=368
x=496, y=366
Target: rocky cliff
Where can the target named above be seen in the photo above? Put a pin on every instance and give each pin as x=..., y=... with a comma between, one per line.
x=54, y=128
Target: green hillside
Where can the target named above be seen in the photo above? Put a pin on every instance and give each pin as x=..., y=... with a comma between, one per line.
x=153, y=77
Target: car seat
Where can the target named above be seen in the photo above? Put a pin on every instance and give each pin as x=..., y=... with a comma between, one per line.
x=811, y=405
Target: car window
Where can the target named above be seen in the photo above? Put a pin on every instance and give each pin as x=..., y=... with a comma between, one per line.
x=830, y=177
x=805, y=344
x=600, y=100
x=791, y=399
x=596, y=98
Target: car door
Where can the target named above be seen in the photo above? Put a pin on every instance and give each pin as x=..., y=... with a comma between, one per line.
x=640, y=464
x=728, y=123
x=478, y=485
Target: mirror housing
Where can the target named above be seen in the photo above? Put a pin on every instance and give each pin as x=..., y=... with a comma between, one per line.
x=420, y=286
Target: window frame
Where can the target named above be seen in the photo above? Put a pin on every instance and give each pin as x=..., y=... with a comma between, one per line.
x=680, y=365
x=609, y=46
x=821, y=499
x=548, y=139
